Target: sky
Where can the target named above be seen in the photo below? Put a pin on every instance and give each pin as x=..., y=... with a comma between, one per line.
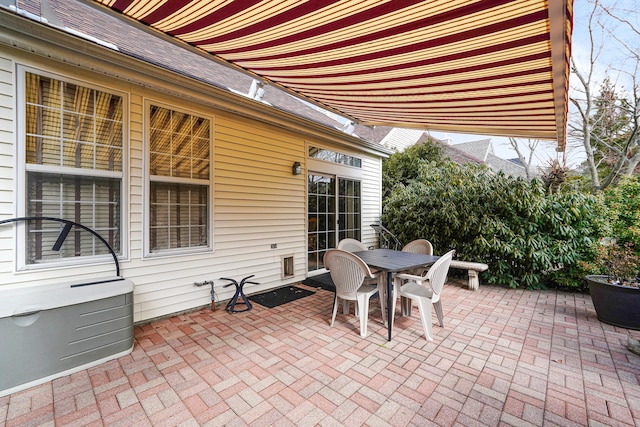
x=609, y=60
x=501, y=146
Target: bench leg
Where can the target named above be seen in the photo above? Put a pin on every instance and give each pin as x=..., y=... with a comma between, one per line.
x=474, y=283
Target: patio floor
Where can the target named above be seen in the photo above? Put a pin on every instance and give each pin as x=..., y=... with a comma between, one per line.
x=504, y=357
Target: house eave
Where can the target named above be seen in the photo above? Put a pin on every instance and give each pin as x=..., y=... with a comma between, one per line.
x=36, y=38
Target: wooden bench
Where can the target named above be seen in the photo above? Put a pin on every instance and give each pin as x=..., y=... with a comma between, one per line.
x=473, y=268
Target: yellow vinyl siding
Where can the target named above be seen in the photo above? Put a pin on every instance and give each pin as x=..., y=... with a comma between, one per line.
x=371, y=197
x=257, y=201
x=7, y=184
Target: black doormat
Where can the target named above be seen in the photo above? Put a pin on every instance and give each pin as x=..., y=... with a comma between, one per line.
x=280, y=296
x=322, y=281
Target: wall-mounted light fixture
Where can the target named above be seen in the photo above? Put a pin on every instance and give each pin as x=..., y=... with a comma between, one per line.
x=296, y=169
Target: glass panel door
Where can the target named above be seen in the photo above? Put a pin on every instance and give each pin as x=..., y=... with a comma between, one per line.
x=348, y=209
x=330, y=217
x=321, y=218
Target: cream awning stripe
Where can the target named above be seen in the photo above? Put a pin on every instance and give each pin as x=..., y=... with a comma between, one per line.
x=351, y=21
x=339, y=23
x=397, y=65
x=423, y=82
x=439, y=76
x=524, y=103
x=513, y=90
x=304, y=8
x=440, y=63
x=543, y=109
x=425, y=45
x=169, y=8
x=425, y=103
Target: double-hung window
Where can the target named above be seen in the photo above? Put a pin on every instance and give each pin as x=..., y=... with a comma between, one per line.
x=73, y=166
x=179, y=165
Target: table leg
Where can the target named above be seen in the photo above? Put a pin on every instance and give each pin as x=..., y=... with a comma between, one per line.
x=389, y=302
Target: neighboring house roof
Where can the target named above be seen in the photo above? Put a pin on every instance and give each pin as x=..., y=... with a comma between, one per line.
x=399, y=139
x=478, y=152
x=377, y=133
x=81, y=20
x=507, y=166
x=483, y=149
x=459, y=156
x=480, y=149
x=454, y=154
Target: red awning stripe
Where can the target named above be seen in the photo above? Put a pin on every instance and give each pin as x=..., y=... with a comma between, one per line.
x=506, y=123
x=419, y=46
x=291, y=14
x=476, y=53
x=436, y=42
x=168, y=8
x=408, y=108
x=350, y=21
x=371, y=96
x=415, y=86
x=337, y=86
x=395, y=62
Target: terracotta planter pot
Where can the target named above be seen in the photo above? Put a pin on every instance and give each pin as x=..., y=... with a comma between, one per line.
x=614, y=304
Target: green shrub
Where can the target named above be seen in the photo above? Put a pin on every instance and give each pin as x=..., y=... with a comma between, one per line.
x=617, y=220
x=623, y=204
x=403, y=167
x=527, y=239
x=588, y=224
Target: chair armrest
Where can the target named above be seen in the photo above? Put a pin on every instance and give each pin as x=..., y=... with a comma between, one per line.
x=411, y=277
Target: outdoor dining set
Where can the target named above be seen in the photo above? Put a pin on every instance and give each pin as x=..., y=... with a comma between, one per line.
x=413, y=274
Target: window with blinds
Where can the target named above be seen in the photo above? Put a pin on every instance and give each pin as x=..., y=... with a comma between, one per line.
x=179, y=180
x=74, y=166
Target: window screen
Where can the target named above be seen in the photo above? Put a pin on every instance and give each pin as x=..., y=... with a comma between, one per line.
x=179, y=174
x=74, y=162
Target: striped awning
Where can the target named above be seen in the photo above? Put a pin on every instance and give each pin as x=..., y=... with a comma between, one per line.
x=494, y=67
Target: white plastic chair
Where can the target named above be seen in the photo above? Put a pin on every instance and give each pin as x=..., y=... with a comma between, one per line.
x=353, y=245
x=419, y=246
x=348, y=273
x=425, y=290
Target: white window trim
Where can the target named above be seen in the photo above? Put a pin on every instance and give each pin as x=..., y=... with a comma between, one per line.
x=337, y=151
x=22, y=168
x=148, y=102
x=337, y=169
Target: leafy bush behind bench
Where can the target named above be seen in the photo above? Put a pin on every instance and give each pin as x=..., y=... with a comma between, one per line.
x=528, y=238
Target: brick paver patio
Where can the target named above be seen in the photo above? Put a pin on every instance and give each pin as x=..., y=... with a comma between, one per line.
x=504, y=357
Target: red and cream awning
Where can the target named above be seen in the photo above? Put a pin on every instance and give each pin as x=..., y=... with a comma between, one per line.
x=495, y=67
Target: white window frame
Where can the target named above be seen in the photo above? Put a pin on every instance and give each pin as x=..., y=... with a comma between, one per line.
x=22, y=168
x=337, y=169
x=148, y=178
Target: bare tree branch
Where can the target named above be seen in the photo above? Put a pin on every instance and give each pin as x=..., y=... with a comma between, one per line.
x=605, y=117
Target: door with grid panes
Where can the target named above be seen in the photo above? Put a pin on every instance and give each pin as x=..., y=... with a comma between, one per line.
x=333, y=214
